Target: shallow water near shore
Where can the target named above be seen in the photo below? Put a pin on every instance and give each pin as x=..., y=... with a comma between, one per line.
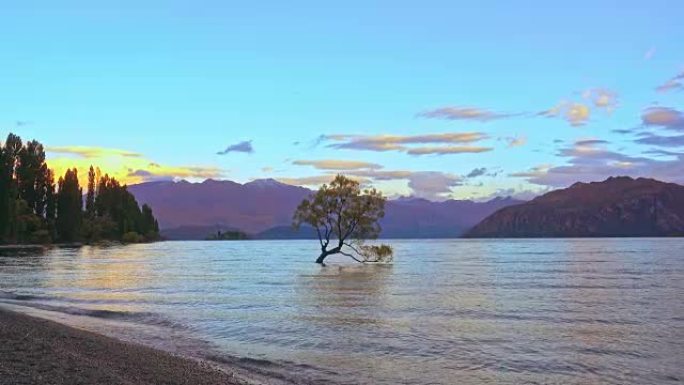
x=561, y=311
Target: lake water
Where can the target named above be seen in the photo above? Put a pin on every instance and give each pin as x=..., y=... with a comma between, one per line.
x=599, y=311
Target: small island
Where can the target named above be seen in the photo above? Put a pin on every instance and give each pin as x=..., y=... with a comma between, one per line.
x=228, y=235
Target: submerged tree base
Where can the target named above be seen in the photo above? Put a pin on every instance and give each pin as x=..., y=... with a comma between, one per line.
x=362, y=254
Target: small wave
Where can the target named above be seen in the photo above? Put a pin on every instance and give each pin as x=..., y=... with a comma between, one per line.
x=147, y=318
x=18, y=297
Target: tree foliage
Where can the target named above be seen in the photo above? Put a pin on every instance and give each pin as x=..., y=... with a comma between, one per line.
x=35, y=210
x=344, y=217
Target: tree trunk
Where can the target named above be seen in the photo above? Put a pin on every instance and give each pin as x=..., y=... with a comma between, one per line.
x=325, y=253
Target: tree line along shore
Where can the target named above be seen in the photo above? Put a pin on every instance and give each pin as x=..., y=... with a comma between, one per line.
x=34, y=209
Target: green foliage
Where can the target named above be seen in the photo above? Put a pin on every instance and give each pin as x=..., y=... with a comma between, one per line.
x=132, y=237
x=344, y=213
x=380, y=253
x=34, y=210
x=69, y=207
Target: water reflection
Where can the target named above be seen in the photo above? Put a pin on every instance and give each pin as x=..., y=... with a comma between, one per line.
x=450, y=311
x=345, y=295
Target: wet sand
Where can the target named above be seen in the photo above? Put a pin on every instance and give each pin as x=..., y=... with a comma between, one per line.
x=38, y=351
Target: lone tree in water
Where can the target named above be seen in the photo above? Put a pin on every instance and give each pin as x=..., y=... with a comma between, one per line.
x=344, y=217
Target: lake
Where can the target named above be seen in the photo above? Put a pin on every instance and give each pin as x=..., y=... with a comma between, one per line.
x=561, y=311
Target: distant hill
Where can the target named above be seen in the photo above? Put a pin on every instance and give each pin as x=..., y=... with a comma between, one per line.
x=263, y=209
x=616, y=207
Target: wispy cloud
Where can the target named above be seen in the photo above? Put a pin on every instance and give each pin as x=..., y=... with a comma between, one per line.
x=332, y=164
x=577, y=114
x=127, y=166
x=534, y=172
x=516, y=141
x=463, y=113
x=661, y=140
x=445, y=150
x=433, y=185
x=593, y=160
x=674, y=83
x=648, y=55
x=602, y=98
x=245, y=147
x=91, y=152
x=449, y=143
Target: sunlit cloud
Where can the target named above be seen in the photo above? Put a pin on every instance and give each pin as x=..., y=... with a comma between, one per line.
x=577, y=114
x=463, y=113
x=404, y=143
x=445, y=150
x=534, y=172
x=316, y=180
x=332, y=164
x=433, y=185
x=128, y=167
x=91, y=152
x=245, y=147
x=601, y=98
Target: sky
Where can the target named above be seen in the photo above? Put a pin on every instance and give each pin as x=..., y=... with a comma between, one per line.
x=435, y=99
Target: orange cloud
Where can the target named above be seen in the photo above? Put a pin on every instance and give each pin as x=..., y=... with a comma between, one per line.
x=126, y=166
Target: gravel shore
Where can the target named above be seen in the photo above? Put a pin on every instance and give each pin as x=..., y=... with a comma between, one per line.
x=37, y=351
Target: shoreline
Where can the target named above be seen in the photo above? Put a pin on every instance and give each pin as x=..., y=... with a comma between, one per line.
x=40, y=351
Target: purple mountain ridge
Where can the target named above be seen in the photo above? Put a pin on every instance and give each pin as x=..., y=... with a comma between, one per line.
x=264, y=208
x=616, y=207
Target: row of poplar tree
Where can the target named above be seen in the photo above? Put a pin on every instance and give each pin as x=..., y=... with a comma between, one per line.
x=35, y=209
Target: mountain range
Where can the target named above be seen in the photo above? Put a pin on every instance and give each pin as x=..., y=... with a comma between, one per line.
x=263, y=208
x=616, y=207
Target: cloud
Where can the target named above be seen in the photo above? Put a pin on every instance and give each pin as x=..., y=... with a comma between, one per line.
x=267, y=169
x=577, y=114
x=517, y=141
x=660, y=140
x=648, y=55
x=311, y=181
x=126, y=166
x=404, y=143
x=519, y=194
x=674, y=83
x=382, y=174
x=463, y=113
x=331, y=164
x=245, y=147
x=590, y=142
x=663, y=117
x=601, y=98
x=432, y=185
x=91, y=152
x=534, y=172
x=477, y=172
x=444, y=150
x=148, y=176
x=588, y=162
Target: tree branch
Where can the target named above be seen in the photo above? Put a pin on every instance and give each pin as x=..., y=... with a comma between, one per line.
x=352, y=257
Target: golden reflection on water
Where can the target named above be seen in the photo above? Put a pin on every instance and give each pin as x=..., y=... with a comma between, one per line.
x=102, y=274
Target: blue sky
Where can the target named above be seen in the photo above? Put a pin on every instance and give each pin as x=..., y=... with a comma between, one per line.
x=385, y=91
